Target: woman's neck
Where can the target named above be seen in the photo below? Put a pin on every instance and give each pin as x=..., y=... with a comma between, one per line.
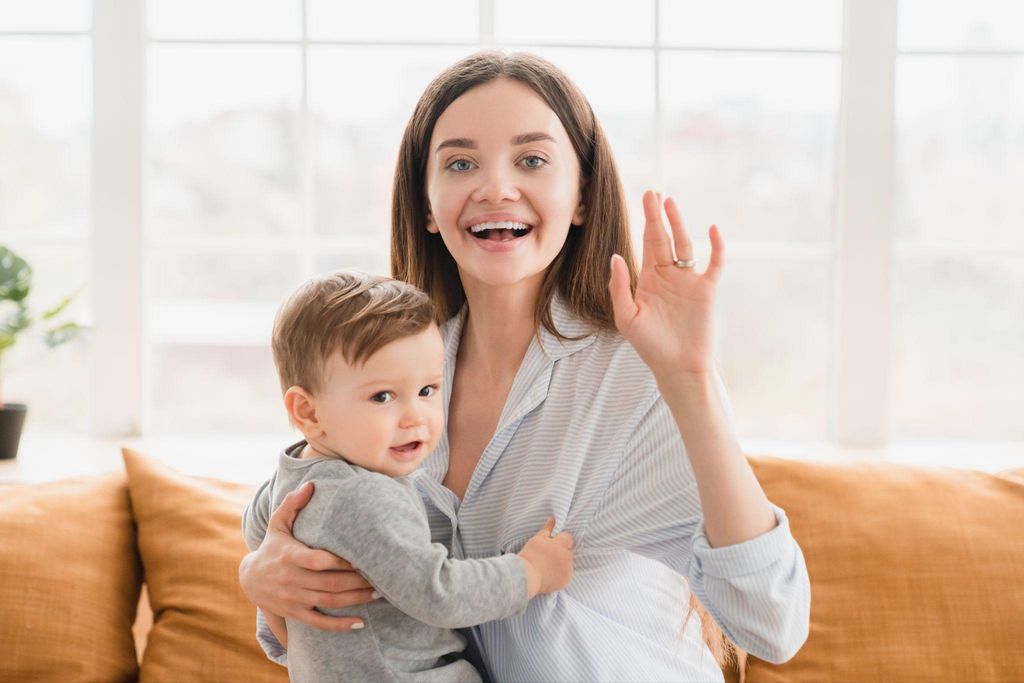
x=499, y=326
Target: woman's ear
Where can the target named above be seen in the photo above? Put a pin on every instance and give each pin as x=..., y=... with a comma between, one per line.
x=431, y=225
x=579, y=215
x=301, y=407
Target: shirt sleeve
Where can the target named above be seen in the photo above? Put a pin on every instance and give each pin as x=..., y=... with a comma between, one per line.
x=254, y=527
x=376, y=525
x=256, y=516
x=758, y=591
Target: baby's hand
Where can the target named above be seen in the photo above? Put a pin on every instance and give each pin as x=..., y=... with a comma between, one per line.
x=548, y=560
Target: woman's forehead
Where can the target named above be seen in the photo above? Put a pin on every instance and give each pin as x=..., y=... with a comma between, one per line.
x=501, y=112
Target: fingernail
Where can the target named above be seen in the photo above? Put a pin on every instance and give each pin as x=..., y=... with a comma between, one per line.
x=356, y=627
x=375, y=595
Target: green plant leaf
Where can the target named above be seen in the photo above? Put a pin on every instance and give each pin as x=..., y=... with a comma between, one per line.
x=63, y=333
x=15, y=276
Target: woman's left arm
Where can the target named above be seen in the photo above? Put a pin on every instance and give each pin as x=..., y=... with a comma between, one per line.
x=669, y=321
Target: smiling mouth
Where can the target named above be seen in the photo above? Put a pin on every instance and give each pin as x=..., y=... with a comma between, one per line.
x=500, y=231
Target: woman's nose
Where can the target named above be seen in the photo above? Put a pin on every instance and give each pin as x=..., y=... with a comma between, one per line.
x=497, y=186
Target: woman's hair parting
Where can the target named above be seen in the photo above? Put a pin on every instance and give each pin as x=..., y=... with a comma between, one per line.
x=347, y=311
x=580, y=272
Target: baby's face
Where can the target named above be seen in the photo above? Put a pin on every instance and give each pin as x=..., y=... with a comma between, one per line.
x=385, y=415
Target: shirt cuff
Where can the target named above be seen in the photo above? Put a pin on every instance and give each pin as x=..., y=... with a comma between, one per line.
x=268, y=641
x=748, y=557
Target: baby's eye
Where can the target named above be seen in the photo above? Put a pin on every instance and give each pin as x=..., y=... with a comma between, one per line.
x=460, y=165
x=534, y=161
x=383, y=397
x=428, y=390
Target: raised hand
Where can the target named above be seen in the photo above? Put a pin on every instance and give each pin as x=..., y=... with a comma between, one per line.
x=669, y=320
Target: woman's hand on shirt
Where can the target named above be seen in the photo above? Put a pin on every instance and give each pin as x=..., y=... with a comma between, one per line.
x=669, y=320
x=286, y=578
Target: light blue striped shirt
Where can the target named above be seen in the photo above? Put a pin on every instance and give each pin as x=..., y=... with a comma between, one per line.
x=585, y=436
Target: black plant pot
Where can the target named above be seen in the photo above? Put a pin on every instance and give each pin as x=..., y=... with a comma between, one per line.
x=12, y=417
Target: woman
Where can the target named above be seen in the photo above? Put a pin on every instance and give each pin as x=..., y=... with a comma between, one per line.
x=569, y=395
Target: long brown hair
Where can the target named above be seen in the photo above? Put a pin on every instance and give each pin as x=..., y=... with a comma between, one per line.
x=580, y=271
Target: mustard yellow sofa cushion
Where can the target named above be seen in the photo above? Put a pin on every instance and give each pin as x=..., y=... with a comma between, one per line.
x=69, y=581
x=916, y=574
x=190, y=542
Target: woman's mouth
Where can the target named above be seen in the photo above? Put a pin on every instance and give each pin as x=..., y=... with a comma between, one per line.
x=500, y=231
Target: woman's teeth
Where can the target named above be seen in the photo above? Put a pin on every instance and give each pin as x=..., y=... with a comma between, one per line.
x=499, y=230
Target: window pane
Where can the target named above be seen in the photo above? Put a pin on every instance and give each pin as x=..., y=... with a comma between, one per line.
x=369, y=260
x=46, y=15
x=619, y=84
x=574, y=22
x=280, y=19
x=750, y=142
x=213, y=322
x=53, y=382
x=958, y=25
x=393, y=20
x=223, y=274
x=793, y=24
x=45, y=113
x=360, y=101
x=774, y=342
x=224, y=152
x=958, y=348
x=960, y=150
x=211, y=389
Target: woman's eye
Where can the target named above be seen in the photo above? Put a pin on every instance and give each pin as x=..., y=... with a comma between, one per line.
x=534, y=161
x=383, y=397
x=428, y=390
x=461, y=165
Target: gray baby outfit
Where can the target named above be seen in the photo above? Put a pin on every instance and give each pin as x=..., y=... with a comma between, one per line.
x=379, y=524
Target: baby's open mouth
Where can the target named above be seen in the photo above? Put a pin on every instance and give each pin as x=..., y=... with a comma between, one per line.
x=405, y=448
x=500, y=231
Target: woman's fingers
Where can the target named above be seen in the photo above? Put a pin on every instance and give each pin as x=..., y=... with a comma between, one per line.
x=657, y=246
x=325, y=622
x=336, y=600
x=717, y=262
x=321, y=560
x=683, y=245
x=283, y=518
x=623, y=306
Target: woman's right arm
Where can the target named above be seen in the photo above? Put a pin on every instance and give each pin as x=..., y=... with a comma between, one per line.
x=283, y=577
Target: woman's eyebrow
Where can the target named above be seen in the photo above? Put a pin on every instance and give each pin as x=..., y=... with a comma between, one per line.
x=466, y=143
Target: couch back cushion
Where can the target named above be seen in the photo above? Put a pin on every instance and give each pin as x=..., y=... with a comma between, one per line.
x=916, y=574
x=190, y=541
x=69, y=581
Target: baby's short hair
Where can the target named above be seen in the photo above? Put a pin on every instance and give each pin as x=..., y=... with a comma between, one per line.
x=346, y=311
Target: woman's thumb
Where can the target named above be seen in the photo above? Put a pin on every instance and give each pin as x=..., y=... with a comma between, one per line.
x=623, y=306
x=284, y=516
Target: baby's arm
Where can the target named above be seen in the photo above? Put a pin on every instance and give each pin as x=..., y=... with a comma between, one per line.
x=387, y=539
x=254, y=527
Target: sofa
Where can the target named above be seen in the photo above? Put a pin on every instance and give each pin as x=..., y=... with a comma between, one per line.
x=917, y=575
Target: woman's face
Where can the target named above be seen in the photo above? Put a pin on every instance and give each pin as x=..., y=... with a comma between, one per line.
x=503, y=184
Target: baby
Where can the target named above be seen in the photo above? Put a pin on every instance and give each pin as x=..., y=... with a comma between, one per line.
x=361, y=364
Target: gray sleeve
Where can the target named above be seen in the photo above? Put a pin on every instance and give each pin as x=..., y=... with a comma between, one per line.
x=373, y=523
x=257, y=515
x=254, y=528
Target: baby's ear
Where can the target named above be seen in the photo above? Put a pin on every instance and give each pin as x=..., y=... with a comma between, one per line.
x=301, y=407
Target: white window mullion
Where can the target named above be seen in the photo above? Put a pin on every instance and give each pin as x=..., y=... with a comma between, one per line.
x=866, y=215
x=118, y=386
x=486, y=9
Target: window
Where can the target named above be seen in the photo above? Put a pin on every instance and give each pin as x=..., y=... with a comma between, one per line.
x=268, y=133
